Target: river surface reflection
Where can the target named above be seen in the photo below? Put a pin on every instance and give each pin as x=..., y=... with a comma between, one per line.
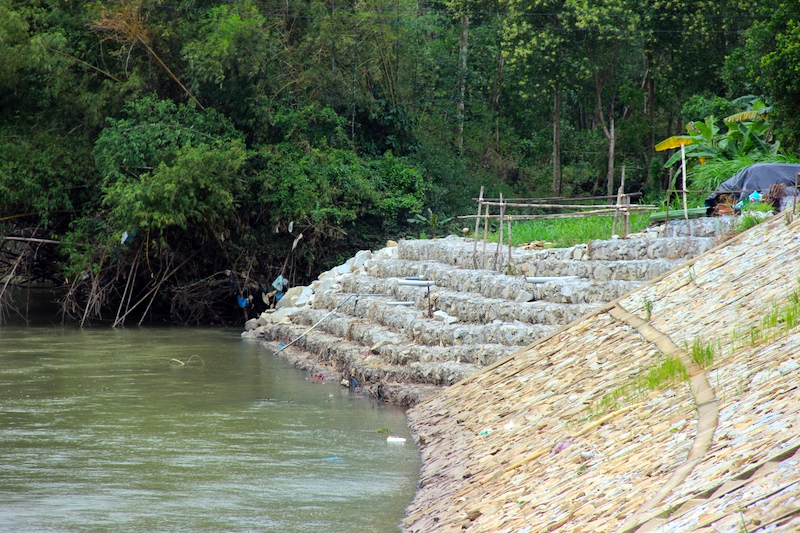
x=99, y=431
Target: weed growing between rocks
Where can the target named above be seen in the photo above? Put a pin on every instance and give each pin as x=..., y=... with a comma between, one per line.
x=669, y=372
x=702, y=353
x=648, y=308
x=779, y=320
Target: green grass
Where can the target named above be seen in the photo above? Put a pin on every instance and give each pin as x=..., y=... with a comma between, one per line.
x=669, y=372
x=702, y=353
x=564, y=232
x=776, y=322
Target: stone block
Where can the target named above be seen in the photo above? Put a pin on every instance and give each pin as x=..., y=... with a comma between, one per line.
x=324, y=285
x=280, y=316
x=360, y=259
x=290, y=297
x=523, y=296
x=304, y=297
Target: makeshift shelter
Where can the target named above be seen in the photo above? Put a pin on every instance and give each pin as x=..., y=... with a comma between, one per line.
x=759, y=177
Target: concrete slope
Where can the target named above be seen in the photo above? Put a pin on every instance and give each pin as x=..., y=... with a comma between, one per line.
x=583, y=431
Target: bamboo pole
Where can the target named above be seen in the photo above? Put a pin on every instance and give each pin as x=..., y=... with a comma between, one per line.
x=561, y=198
x=477, y=227
x=627, y=215
x=485, y=233
x=498, y=250
x=546, y=206
x=669, y=198
x=621, y=216
x=683, y=171
x=510, y=243
x=95, y=278
x=11, y=277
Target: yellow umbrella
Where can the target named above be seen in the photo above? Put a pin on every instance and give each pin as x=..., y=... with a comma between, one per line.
x=676, y=141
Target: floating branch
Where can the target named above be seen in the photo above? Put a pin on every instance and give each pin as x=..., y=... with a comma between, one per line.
x=175, y=361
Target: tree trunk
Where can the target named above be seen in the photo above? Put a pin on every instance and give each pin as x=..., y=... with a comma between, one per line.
x=651, y=103
x=650, y=109
x=608, y=131
x=612, y=141
x=498, y=88
x=462, y=51
x=556, y=140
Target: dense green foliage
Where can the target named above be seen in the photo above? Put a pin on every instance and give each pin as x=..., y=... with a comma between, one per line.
x=194, y=150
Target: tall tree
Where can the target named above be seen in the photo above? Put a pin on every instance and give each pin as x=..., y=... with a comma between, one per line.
x=768, y=62
x=608, y=30
x=542, y=47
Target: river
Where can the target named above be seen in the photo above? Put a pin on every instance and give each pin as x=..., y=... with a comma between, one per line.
x=100, y=431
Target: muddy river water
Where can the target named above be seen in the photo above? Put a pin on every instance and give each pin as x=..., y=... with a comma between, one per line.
x=101, y=430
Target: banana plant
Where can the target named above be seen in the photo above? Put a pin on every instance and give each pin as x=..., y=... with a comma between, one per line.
x=432, y=222
x=700, y=143
x=747, y=133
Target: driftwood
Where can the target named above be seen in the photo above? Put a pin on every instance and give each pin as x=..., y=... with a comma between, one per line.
x=31, y=239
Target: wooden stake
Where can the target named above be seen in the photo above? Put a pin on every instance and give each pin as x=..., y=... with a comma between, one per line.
x=627, y=215
x=477, y=226
x=669, y=198
x=509, y=242
x=497, y=252
x=623, y=208
x=485, y=232
x=683, y=171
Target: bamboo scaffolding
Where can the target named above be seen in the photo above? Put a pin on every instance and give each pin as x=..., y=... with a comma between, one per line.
x=607, y=211
x=622, y=207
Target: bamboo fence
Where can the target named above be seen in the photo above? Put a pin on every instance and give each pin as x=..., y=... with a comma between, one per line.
x=575, y=207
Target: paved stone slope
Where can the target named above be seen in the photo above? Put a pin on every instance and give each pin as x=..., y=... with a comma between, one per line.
x=409, y=343
x=566, y=435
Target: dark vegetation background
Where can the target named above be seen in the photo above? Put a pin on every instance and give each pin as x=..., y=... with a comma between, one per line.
x=184, y=154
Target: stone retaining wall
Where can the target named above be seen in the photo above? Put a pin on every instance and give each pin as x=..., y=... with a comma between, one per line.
x=470, y=317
